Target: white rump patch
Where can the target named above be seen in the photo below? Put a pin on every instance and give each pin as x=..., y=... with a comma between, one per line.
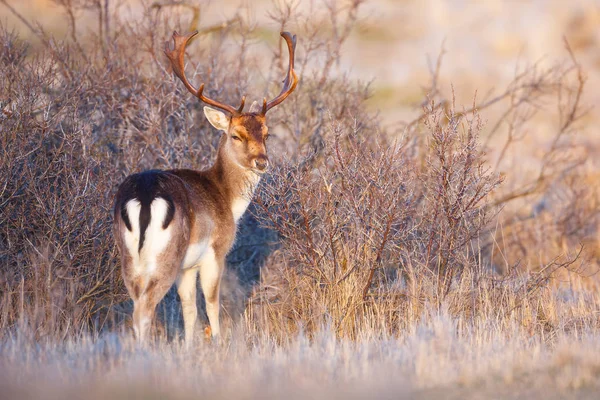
x=158, y=212
x=156, y=238
x=132, y=238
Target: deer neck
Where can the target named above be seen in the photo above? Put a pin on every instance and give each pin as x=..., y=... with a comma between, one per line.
x=236, y=182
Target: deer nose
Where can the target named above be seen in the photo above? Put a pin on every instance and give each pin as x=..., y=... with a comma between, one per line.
x=261, y=163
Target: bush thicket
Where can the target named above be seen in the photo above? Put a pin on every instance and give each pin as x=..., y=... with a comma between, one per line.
x=355, y=227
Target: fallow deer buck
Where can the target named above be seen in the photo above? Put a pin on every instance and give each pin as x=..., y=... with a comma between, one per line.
x=171, y=224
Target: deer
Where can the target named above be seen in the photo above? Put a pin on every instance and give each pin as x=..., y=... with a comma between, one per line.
x=172, y=225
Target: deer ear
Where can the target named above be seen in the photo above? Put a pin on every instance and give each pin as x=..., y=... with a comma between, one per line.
x=255, y=107
x=217, y=118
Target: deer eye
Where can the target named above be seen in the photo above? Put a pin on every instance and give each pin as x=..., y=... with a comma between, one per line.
x=267, y=136
x=236, y=138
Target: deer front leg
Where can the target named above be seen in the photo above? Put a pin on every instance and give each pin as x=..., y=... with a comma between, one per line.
x=211, y=271
x=186, y=288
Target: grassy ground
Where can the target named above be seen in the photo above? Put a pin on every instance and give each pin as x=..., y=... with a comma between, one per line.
x=436, y=358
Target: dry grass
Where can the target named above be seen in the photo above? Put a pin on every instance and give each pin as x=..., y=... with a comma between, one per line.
x=396, y=263
x=436, y=356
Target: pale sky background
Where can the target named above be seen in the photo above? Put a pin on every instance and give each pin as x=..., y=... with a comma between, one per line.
x=484, y=40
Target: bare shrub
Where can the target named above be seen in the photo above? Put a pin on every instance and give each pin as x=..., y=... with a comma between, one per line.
x=539, y=204
x=375, y=232
x=362, y=230
x=57, y=266
x=369, y=219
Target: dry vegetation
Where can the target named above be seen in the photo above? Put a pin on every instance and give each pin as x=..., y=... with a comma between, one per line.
x=397, y=262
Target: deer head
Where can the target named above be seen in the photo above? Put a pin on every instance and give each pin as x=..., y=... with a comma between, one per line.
x=245, y=132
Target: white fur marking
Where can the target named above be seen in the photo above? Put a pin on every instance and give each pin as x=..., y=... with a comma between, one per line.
x=155, y=239
x=132, y=238
x=194, y=253
x=239, y=206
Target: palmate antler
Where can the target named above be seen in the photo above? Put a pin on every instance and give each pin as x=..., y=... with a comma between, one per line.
x=176, y=57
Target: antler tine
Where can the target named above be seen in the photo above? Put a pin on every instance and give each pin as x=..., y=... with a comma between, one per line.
x=291, y=79
x=176, y=57
x=241, y=108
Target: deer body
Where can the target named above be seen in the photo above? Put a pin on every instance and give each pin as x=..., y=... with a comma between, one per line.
x=172, y=225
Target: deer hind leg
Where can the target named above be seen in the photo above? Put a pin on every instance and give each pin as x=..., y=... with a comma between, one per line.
x=211, y=270
x=186, y=287
x=143, y=314
x=144, y=305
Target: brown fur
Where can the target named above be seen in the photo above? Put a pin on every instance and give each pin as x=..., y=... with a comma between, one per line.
x=203, y=213
x=207, y=205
